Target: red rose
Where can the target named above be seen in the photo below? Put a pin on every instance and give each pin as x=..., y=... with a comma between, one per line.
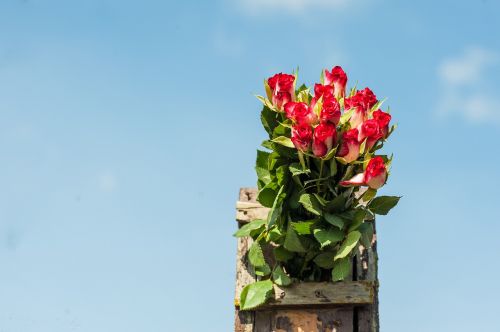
x=300, y=113
x=302, y=136
x=374, y=176
x=361, y=102
x=338, y=78
x=323, y=139
x=371, y=131
x=282, y=89
x=375, y=173
x=383, y=120
x=330, y=111
x=322, y=90
x=349, y=148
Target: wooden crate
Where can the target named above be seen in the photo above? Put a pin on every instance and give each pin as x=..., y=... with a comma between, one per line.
x=348, y=306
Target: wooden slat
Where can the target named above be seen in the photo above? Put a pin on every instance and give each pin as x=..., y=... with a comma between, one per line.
x=321, y=294
x=304, y=320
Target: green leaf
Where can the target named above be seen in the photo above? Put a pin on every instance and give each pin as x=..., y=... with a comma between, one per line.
x=334, y=220
x=303, y=96
x=274, y=235
x=348, y=245
x=303, y=227
x=345, y=117
x=383, y=204
x=330, y=154
x=262, y=271
x=318, y=106
x=292, y=241
x=281, y=254
x=366, y=230
x=337, y=204
x=310, y=203
x=369, y=194
x=266, y=102
x=341, y=269
x=275, y=212
x=267, y=144
x=328, y=237
x=255, y=255
x=296, y=169
x=282, y=174
x=269, y=120
x=256, y=294
x=362, y=146
x=325, y=260
x=280, y=277
x=267, y=195
x=357, y=220
x=246, y=229
x=261, y=168
x=283, y=140
x=333, y=167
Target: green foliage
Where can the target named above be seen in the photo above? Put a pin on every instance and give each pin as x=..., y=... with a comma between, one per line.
x=325, y=260
x=348, y=245
x=328, y=237
x=341, y=269
x=256, y=294
x=383, y=204
x=247, y=229
x=310, y=203
x=255, y=255
x=280, y=277
x=292, y=241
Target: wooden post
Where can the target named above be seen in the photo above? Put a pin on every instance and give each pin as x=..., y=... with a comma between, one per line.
x=348, y=306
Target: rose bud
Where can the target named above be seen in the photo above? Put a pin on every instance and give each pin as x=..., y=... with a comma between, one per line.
x=349, y=148
x=323, y=139
x=302, y=136
x=375, y=173
x=300, y=113
x=383, y=120
x=371, y=131
x=361, y=102
x=330, y=111
x=283, y=89
x=322, y=90
x=374, y=176
x=338, y=78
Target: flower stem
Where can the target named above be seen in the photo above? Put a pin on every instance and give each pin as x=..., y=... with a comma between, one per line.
x=320, y=173
x=302, y=162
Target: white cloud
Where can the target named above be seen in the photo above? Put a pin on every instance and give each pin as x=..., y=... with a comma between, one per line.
x=293, y=6
x=465, y=86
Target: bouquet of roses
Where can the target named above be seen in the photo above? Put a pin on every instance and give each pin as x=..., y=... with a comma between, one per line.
x=319, y=178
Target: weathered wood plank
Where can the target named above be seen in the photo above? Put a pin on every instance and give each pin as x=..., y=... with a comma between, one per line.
x=367, y=317
x=321, y=294
x=247, y=208
x=244, y=320
x=305, y=320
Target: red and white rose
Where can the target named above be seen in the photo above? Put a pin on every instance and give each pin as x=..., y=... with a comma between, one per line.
x=282, y=88
x=349, y=147
x=338, y=78
x=323, y=139
x=374, y=175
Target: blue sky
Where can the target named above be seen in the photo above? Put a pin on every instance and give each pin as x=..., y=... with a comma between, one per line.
x=127, y=127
